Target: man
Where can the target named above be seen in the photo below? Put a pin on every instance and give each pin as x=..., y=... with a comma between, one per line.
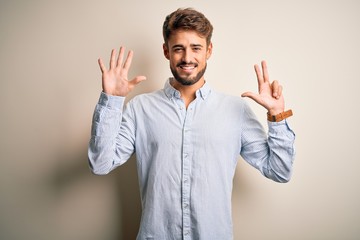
x=187, y=137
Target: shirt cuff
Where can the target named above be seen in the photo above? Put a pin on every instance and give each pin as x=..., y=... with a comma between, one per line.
x=110, y=101
x=280, y=127
x=271, y=124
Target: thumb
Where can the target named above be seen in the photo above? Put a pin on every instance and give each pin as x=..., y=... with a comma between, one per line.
x=253, y=96
x=137, y=80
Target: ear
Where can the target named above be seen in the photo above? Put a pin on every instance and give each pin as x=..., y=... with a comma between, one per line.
x=209, y=51
x=166, y=51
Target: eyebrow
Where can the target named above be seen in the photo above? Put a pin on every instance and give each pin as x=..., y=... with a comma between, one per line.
x=191, y=45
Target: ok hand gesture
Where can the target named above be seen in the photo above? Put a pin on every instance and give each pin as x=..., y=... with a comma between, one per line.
x=270, y=94
x=115, y=80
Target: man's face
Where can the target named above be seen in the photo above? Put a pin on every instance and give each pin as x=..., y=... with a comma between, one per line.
x=187, y=53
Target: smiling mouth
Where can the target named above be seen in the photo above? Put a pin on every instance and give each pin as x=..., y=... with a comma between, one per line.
x=187, y=66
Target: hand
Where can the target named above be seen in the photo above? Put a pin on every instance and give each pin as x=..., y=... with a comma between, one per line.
x=115, y=80
x=270, y=94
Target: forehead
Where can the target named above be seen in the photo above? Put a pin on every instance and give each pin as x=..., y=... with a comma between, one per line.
x=186, y=37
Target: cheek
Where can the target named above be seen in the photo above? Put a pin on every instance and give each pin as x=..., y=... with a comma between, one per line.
x=202, y=60
x=174, y=59
x=173, y=63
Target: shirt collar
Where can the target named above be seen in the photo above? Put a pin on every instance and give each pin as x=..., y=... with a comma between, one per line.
x=171, y=92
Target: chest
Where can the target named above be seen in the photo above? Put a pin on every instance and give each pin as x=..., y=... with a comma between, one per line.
x=199, y=125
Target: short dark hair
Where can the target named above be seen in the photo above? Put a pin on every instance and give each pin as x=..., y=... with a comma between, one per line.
x=187, y=19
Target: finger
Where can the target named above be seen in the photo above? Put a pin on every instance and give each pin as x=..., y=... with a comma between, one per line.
x=101, y=65
x=280, y=91
x=112, y=59
x=258, y=76
x=120, y=57
x=253, y=96
x=128, y=60
x=275, y=89
x=137, y=80
x=265, y=71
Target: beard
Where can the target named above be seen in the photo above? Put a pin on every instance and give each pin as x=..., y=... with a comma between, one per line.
x=187, y=81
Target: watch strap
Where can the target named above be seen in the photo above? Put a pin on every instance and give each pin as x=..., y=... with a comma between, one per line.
x=279, y=117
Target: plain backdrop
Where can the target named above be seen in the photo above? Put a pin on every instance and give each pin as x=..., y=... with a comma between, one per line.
x=50, y=83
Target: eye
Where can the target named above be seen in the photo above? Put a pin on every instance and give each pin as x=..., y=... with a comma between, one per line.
x=197, y=49
x=178, y=49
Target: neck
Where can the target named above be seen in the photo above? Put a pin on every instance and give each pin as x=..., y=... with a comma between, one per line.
x=188, y=92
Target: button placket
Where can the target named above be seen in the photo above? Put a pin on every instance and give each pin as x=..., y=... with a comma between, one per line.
x=186, y=160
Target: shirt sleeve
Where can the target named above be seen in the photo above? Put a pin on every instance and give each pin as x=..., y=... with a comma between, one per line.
x=272, y=154
x=112, y=140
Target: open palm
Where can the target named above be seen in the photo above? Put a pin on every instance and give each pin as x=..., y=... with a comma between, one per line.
x=115, y=80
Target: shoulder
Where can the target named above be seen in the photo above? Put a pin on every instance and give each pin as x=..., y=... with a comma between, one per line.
x=147, y=100
x=227, y=99
x=231, y=106
x=147, y=96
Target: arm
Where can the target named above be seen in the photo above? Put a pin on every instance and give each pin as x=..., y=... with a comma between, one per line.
x=112, y=133
x=273, y=155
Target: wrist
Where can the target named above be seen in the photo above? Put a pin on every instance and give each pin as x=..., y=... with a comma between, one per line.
x=279, y=116
x=275, y=111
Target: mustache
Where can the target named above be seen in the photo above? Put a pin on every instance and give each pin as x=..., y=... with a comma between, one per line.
x=183, y=63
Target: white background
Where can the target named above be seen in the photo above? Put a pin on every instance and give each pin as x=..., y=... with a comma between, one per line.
x=50, y=83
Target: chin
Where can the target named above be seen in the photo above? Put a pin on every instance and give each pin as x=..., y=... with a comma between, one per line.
x=187, y=80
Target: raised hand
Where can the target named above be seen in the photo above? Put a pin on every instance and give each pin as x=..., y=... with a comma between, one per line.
x=115, y=80
x=270, y=94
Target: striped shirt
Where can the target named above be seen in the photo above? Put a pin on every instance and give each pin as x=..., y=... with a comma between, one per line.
x=186, y=157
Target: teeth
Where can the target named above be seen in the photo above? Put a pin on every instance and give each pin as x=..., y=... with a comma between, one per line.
x=187, y=67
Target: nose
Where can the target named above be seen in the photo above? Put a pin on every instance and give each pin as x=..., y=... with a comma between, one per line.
x=187, y=56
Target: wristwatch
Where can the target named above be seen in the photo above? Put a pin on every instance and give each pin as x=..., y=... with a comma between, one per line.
x=279, y=117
